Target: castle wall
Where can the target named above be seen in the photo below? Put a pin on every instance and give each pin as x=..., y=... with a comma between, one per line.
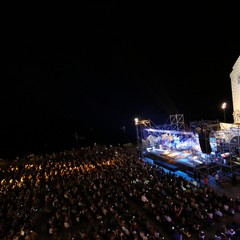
x=235, y=84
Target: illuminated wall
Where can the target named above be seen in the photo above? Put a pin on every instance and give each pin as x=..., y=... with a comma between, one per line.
x=235, y=83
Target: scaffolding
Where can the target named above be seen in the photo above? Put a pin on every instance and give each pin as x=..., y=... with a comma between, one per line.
x=174, y=122
x=177, y=122
x=228, y=138
x=174, y=125
x=227, y=156
x=140, y=125
x=207, y=128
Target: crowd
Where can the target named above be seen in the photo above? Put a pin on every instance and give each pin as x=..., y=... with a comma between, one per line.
x=88, y=193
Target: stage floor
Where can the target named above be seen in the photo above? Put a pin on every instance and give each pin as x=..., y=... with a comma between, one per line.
x=176, y=160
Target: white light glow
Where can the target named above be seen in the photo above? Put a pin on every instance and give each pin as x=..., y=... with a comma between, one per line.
x=224, y=105
x=136, y=121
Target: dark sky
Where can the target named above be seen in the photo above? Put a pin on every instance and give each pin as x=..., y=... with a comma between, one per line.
x=93, y=71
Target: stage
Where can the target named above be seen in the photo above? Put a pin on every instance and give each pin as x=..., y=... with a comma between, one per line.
x=204, y=148
x=185, y=161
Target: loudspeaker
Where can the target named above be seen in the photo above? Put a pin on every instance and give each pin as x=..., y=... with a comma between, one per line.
x=204, y=142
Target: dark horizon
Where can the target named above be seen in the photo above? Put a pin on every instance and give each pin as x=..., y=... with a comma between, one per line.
x=20, y=144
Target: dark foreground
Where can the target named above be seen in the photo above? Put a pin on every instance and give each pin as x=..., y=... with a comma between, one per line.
x=109, y=193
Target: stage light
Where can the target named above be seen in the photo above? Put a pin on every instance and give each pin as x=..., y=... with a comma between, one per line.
x=136, y=121
x=137, y=133
x=224, y=105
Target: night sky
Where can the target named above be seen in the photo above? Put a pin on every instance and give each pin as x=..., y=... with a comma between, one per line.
x=92, y=72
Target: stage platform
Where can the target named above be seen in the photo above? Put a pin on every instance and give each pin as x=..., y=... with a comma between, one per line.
x=176, y=160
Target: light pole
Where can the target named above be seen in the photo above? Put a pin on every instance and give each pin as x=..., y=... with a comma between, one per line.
x=136, y=125
x=136, y=120
x=224, y=105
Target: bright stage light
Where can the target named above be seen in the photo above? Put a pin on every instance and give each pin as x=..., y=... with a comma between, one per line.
x=136, y=121
x=224, y=105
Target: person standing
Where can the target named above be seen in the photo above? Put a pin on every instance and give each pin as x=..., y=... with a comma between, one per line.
x=206, y=180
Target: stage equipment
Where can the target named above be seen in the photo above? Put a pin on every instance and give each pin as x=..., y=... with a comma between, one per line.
x=204, y=141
